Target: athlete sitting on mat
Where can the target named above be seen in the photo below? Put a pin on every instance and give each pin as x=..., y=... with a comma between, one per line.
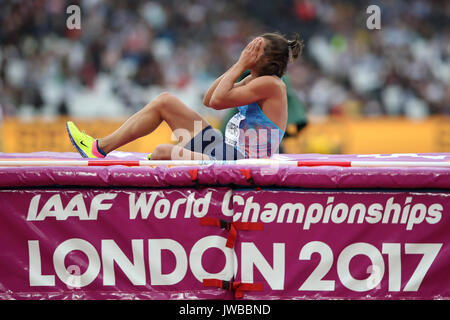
x=254, y=132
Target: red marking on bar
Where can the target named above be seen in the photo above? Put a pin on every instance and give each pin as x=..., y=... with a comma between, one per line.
x=194, y=174
x=246, y=173
x=105, y=163
x=324, y=163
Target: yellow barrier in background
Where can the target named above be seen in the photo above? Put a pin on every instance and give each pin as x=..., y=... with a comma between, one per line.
x=372, y=135
x=332, y=135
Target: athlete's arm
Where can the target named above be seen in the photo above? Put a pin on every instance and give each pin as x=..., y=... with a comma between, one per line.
x=209, y=93
x=260, y=88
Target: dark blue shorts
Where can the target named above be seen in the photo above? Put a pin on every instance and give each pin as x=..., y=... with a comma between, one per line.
x=211, y=143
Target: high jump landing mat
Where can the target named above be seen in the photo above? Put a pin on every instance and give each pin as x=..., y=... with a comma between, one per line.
x=328, y=227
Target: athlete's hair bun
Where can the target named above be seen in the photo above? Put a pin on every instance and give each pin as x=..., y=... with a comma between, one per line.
x=295, y=46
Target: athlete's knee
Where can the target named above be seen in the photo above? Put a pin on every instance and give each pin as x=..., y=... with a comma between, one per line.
x=162, y=152
x=162, y=101
x=165, y=98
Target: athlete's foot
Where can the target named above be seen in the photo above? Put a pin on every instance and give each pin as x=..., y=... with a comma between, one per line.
x=85, y=144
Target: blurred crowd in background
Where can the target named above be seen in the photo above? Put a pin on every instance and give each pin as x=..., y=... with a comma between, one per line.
x=127, y=52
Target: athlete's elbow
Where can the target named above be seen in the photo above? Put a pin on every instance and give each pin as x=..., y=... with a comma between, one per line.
x=216, y=103
x=206, y=101
x=211, y=103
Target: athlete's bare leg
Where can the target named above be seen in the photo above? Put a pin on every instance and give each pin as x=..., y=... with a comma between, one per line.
x=165, y=107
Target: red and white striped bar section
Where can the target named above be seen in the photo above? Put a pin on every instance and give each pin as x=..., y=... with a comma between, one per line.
x=260, y=162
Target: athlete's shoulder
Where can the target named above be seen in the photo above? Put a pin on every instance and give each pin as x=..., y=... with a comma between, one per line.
x=267, y=79
x=268, y=82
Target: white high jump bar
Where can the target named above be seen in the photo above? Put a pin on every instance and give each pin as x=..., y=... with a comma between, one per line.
x=259, y=162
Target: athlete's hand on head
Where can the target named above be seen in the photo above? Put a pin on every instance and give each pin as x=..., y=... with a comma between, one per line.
x=252, y=53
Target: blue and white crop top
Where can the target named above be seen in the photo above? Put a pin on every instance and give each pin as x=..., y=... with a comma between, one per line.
x=252, y=133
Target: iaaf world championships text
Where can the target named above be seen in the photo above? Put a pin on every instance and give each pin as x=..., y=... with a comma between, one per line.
x=153, y=205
